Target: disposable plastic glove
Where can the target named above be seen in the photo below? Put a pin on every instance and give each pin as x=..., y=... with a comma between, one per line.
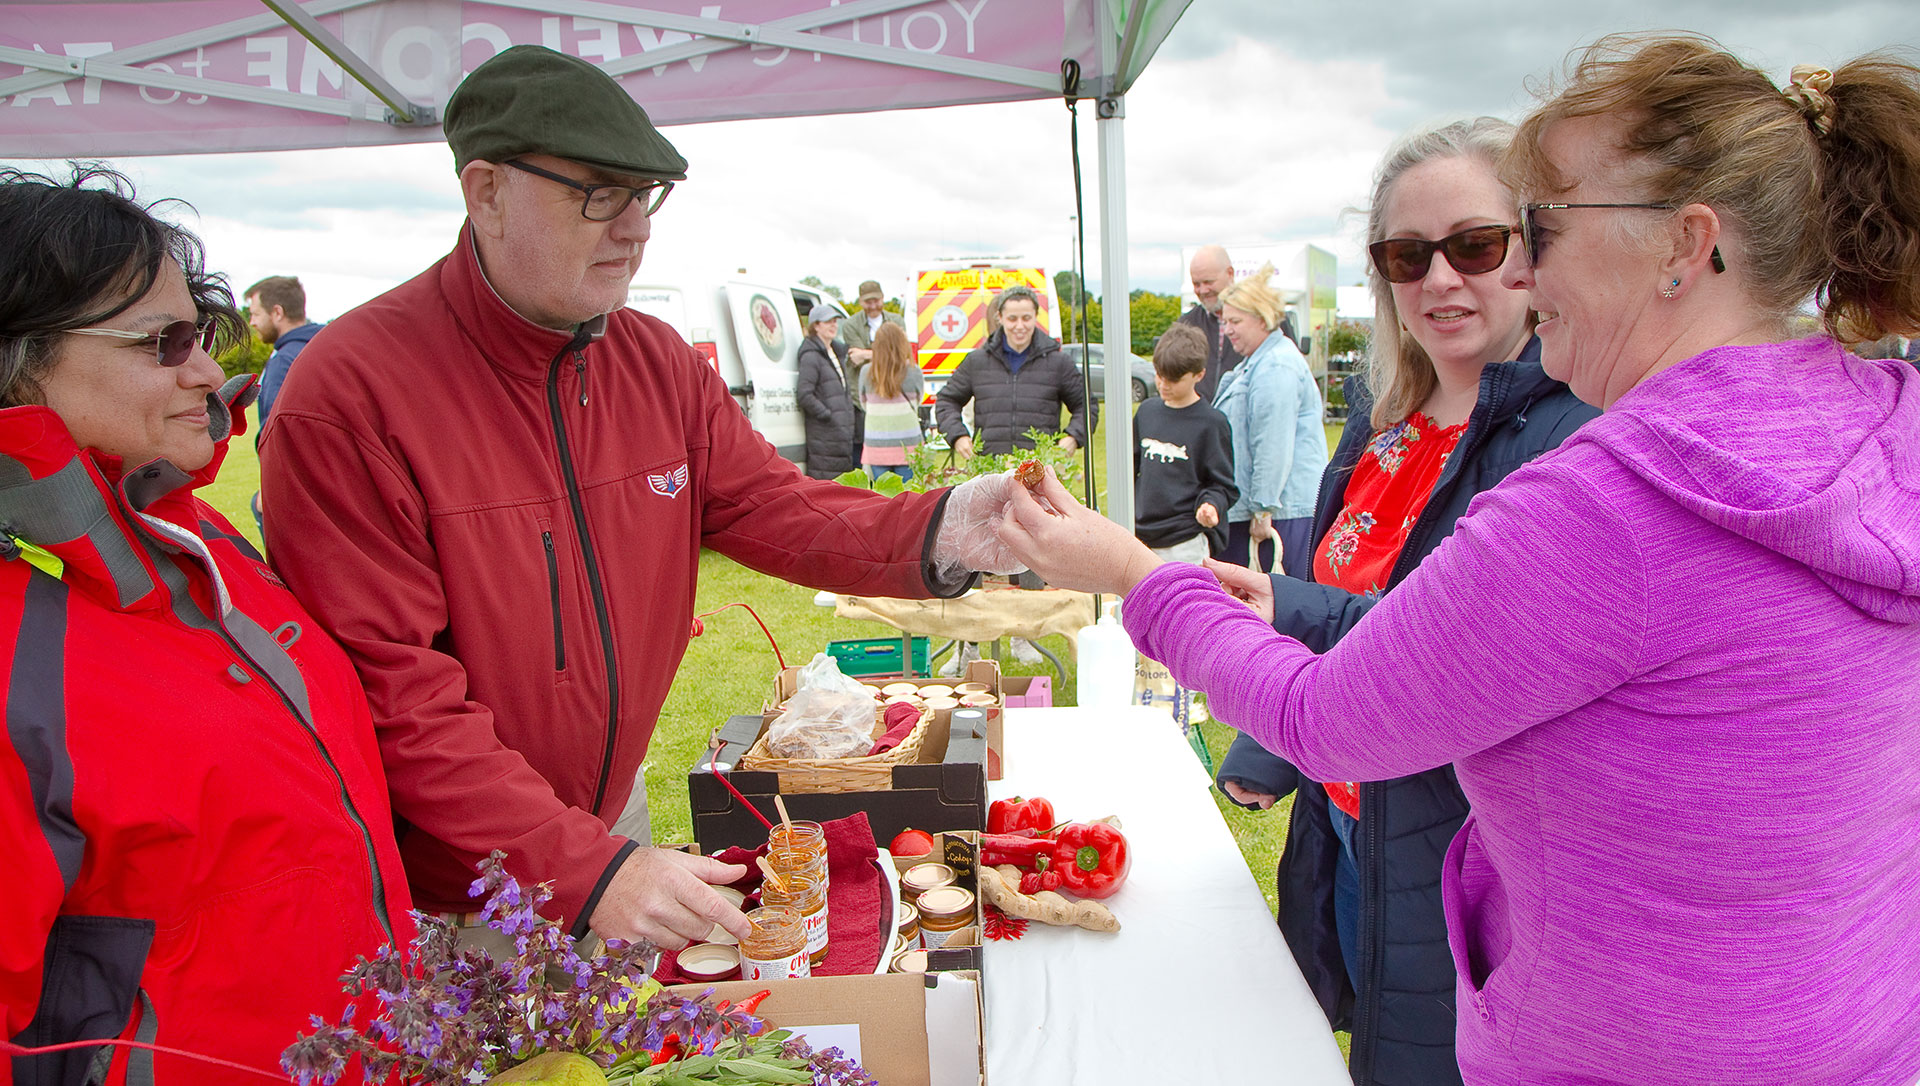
x=969, y=538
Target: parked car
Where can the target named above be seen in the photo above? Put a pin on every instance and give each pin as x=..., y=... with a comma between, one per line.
x=1141, y=370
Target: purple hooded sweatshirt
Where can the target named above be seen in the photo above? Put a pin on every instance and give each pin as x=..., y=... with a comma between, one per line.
x=1676, y=663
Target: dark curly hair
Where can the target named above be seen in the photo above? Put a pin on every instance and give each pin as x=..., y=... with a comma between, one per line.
x=81, y=252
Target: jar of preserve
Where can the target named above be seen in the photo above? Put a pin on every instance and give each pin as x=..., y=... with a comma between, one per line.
x=920, y=878
x=906, y=925
x=806, y=895
x=776, y=949
x=943, y=911
x=806, y=838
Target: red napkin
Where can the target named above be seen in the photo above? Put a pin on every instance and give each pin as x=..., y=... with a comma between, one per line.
x=856, y=892
x=899, y=719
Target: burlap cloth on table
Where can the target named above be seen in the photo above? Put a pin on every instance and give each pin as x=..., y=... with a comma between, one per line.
x=985, y=615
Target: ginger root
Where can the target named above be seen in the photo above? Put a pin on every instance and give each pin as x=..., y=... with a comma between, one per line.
x=1001, y=885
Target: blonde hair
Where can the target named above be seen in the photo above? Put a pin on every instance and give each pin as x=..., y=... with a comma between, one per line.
x=1399, y=373
x=1820, y=182
x=891, y=357
x=1256, y=295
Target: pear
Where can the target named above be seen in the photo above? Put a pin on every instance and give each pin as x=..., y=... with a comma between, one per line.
x=554, y=1069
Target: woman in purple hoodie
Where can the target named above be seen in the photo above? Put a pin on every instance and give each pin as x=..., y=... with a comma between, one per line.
x=1672, y=662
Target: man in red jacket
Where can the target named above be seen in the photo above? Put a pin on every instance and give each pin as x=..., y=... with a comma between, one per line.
x=493, y=483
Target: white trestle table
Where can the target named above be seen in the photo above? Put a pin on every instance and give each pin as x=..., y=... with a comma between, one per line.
x=1197, y=986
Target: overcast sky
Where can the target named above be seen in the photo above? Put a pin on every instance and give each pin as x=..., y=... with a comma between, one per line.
x=1258, y=121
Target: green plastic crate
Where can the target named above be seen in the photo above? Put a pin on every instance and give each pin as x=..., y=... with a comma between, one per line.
x=860, y=657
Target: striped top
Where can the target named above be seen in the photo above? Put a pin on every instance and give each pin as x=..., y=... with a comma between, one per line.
x=893, y=425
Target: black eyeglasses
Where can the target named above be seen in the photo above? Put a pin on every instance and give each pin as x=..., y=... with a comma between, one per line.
x=1473, y=251
x=1535, y=241
x=603, y=203
x=172, y=344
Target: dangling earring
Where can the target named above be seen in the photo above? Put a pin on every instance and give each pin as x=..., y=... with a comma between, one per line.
x=1671, y=290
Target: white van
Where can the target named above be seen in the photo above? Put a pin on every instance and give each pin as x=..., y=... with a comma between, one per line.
x=750, y=332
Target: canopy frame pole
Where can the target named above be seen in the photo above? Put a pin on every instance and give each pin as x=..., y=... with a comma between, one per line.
x=91, y=68
x=82, y=67
x=401, y=109
x=1115, y=310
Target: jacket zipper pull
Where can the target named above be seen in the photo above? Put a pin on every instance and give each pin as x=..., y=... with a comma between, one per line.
x=580, y=369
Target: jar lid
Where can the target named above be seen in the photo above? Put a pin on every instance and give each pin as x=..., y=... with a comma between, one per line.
x=904, y=913
x=926, y=876
x=946, y=901
x=912, y=961
x=936, y=690
x=703, y=960
x=894, y=689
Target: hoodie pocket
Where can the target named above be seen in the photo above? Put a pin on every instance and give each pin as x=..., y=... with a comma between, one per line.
x=89, y=987
x=553, y=593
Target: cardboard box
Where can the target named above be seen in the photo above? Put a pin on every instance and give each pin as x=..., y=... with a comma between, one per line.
x=913, y=1030
x=946, y=789
x=960, y=850
x=1026, y=692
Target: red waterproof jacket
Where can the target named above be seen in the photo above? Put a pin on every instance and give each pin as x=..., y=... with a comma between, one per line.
x=502, y=524
x=194, y=829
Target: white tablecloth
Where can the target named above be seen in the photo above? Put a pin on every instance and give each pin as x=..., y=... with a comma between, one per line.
x=1197, y=986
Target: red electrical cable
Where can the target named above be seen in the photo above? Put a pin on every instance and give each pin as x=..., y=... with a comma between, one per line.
x=11, y=1049
x=698, y=629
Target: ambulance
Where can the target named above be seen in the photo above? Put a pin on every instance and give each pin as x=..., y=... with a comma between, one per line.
x=946, y=309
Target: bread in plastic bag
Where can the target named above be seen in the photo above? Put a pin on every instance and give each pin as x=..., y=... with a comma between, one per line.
x=829, y=716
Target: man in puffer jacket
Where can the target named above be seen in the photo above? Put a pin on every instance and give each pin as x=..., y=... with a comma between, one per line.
x=1017, y=380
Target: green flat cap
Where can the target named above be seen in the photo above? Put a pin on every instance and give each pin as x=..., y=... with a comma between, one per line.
x=532, y=100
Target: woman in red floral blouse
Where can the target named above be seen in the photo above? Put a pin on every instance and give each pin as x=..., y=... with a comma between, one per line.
x=1452, y=402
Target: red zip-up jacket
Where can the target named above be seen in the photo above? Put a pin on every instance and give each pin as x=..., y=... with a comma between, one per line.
x=502, y=523
x=194, y=829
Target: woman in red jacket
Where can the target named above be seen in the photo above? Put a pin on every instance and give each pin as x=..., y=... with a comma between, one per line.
x=193, y=819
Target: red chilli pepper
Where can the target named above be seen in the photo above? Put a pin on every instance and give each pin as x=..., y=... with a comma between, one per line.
x=752, y=1002
x=669, y=1049
x=1016, y=814
x=1092, y=859
x=1026, y=853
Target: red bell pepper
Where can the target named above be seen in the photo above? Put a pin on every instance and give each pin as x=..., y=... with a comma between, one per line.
x=1016, y=814
x=1092, y=859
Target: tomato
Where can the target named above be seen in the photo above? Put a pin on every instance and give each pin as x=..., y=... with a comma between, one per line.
x=911, y=843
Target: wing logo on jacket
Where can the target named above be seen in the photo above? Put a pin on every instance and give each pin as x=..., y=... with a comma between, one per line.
x=668, y=484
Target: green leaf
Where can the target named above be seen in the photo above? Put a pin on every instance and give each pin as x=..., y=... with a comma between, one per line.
x=889, y=484
x=857, y=478
x=765, y=1072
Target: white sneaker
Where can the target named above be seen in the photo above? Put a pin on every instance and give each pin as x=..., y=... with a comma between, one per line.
x=1024, y=651
x=963, y=655
x=825, y=599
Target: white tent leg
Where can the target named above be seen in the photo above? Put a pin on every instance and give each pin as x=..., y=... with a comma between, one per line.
x=1117, y=324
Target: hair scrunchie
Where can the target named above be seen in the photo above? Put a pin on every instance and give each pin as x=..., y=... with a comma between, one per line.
x=1807, y=88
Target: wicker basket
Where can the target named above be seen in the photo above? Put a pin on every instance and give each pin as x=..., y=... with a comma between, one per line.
x=866, y=773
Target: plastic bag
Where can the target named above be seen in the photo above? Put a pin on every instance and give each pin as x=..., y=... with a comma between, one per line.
x=829, y=716
x=969, y=536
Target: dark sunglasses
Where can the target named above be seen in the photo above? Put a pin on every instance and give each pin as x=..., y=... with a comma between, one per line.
x=604, y=203
x=1474, y=251
x=172, y=344
x=1534, y=238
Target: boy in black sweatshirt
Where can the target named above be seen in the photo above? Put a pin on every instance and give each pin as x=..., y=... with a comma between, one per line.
x=1182, y=456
